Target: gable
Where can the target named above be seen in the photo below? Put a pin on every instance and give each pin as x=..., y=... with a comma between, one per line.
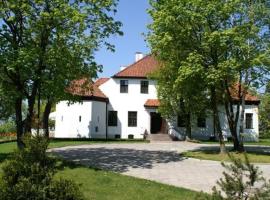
x=140, y=69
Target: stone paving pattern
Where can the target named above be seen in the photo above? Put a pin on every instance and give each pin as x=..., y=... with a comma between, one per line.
x=158, y=161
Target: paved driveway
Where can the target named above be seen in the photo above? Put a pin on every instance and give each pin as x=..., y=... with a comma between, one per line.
x=154, y=161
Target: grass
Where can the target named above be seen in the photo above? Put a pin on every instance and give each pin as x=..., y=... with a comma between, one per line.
x=7, y=148
x=254, y=157
x=101, y=185
x=263, y=142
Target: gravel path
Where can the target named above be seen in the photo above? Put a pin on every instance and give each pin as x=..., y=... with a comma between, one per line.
x=160, y=161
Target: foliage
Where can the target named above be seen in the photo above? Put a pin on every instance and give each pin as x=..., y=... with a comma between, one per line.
x=47, y=44
x=264, y=113
x=205, y=47
x=29, y=175
x=8, y=127
x=242, y=180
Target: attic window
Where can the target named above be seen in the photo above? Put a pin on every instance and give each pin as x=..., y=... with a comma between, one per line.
x=123, y=86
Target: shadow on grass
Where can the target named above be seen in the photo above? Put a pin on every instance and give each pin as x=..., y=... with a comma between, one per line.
x=117, y=159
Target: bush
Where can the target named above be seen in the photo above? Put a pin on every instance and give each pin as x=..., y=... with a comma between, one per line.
x=265, y=134
x=242, y=180
x=28, y=175
x=8, y=127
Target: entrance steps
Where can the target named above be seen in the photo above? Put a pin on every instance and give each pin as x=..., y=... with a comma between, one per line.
x=159, y=137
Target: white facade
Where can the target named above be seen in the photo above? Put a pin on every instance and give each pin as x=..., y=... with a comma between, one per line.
x=131, y=101
x=80, y=120
x=89, y=119
x=207, y=132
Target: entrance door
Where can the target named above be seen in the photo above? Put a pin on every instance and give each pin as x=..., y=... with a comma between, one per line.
x=156, y=122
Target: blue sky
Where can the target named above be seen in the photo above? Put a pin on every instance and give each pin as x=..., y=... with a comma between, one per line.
x=133, y=15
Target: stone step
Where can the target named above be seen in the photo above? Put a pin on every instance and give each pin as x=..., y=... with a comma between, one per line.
x=159, y=137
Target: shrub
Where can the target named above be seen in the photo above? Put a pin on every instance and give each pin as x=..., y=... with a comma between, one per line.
x=242, y=180
x=8, y=127
x=28, y=175
x=265, y=134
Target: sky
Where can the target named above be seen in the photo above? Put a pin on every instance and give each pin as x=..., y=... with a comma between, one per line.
x=134, y=17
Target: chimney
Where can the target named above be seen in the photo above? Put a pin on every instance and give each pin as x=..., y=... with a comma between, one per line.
x=138, y=56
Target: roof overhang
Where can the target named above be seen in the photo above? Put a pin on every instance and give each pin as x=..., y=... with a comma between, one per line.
x=94, y=98
x=130, y=77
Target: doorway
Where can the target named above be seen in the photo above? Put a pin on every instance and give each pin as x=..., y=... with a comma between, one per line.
x=156, y=122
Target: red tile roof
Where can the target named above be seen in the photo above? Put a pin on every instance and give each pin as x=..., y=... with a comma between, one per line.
x=85, y=88
x=249, y=96
x=139, y=69
x=152, y=103
x=101, y=81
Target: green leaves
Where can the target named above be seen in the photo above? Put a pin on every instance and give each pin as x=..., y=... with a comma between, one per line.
x=47, y=44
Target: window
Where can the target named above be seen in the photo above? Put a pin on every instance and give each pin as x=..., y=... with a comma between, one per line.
x=123, y=86
x=80, y=118
x=112, y=118
x=180, y=121
x=201, y=122
x=132, y=119
x=144, y=87
x=249, y=121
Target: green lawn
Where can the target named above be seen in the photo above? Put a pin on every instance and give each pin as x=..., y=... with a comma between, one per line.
x=264, y=142
x=254, y=157
x=101, y=185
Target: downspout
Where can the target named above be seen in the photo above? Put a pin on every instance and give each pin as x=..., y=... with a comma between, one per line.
x=106, y=125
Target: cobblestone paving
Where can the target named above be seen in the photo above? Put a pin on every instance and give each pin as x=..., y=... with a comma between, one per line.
x=159, y=161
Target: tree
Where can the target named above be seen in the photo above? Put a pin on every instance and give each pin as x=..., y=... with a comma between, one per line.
x=47, y=44
x=183, y=37
x=206, y=44
x=264, y=112
x=249, y=46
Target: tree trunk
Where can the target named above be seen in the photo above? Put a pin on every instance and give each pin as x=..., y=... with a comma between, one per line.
x=19, y=123
x=232, y=114
x=242, y=115
x=30, y=111
x=46, y=114
x=217, y=120
x=188, y=126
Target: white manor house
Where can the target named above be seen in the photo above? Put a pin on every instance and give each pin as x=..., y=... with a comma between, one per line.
x=125, y=106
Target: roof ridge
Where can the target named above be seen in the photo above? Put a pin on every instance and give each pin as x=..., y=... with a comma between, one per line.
x=132, y=65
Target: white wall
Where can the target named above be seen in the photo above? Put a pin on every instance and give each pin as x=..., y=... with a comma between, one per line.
x=131, y=101
x=208, y=131
x=249, y=134
x=93, y=115
x=70, y=125
x=98, y=122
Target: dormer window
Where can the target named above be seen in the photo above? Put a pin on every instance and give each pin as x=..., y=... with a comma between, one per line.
x=123, y=86
x=144, y=87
